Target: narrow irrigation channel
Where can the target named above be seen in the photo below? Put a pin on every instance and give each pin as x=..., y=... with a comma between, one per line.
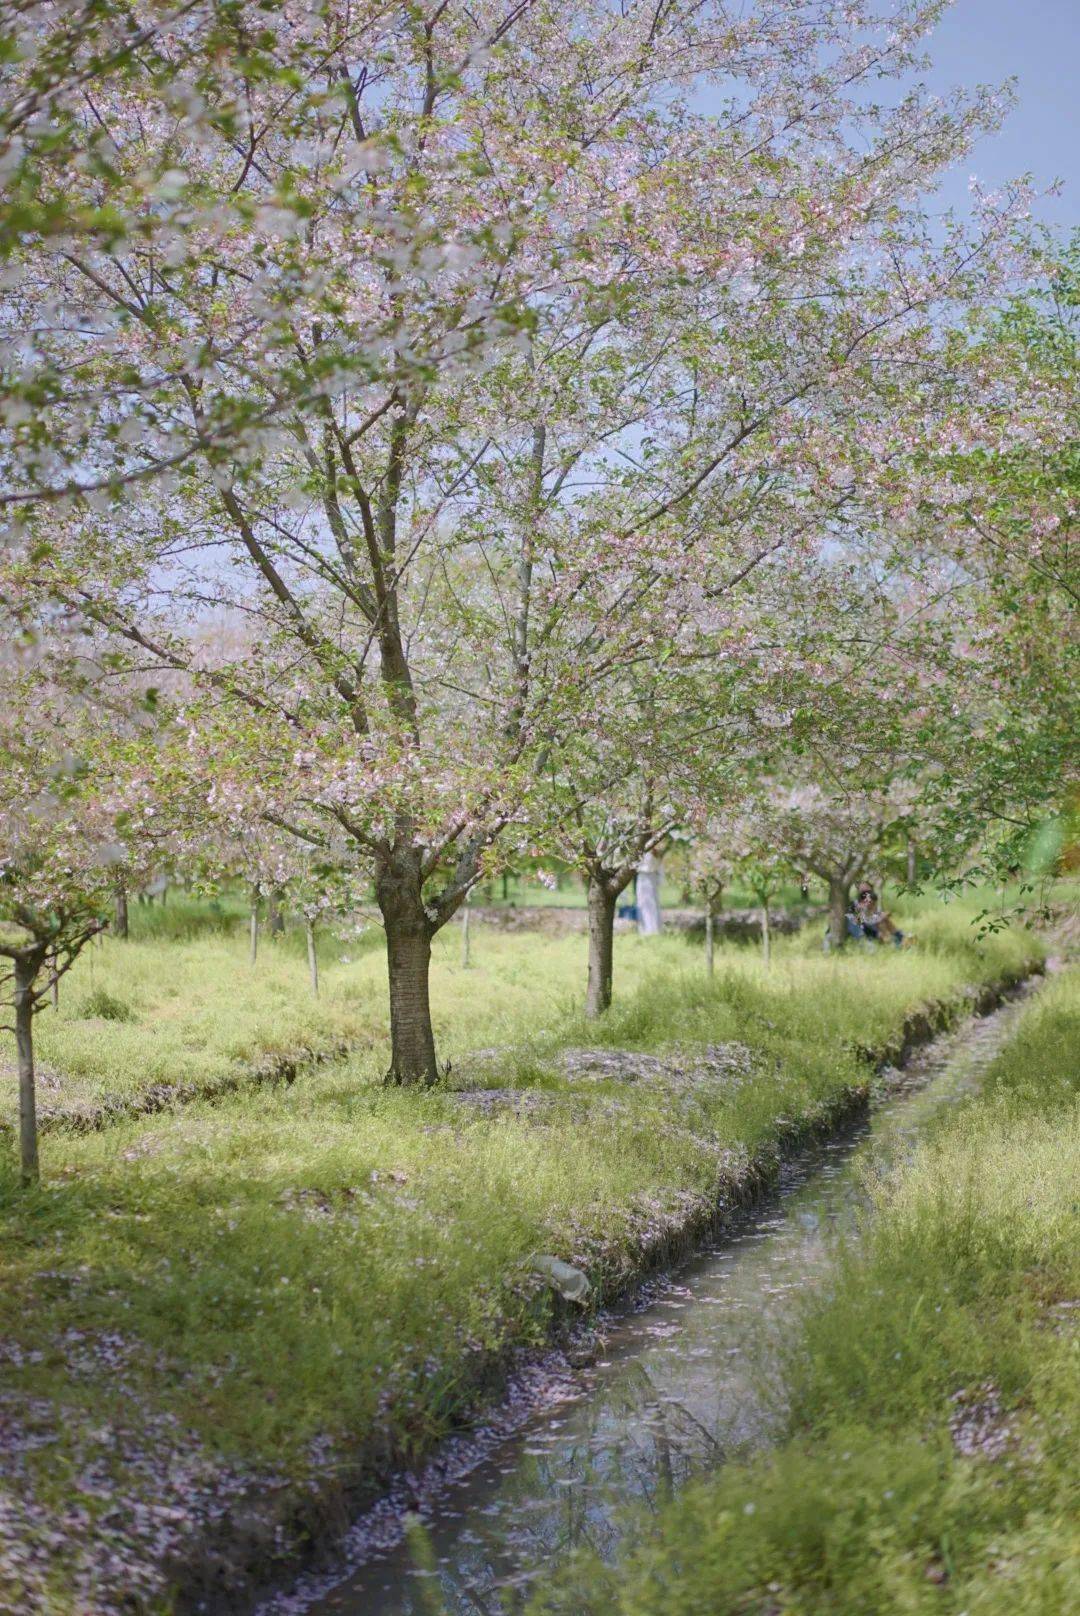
x=682, y=1381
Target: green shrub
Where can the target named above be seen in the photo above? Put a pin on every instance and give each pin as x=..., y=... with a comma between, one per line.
x=105, y=1006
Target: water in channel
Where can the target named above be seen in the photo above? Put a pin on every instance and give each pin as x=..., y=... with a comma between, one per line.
x=680, y=1384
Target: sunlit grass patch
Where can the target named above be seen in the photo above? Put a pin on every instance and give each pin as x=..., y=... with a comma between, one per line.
x=184, y=1005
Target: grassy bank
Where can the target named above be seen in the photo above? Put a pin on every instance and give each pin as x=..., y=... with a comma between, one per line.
x=207, y=1309
x=932, y=1465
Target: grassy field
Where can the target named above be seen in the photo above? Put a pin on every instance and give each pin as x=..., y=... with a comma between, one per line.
x=932, y=1465
x=179, y=1003
x=222, y=1301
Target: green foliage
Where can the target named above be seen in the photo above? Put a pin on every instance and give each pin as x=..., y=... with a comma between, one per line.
x=184, y=918
x=105, y=1006
x=1007, y=747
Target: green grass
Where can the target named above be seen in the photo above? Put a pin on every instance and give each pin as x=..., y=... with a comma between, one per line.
x=238, y=1290
x=185, y=1006
x=180, y=1003
x=959, y=1306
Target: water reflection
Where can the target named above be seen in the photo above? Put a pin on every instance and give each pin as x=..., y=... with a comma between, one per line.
x=690, y=1379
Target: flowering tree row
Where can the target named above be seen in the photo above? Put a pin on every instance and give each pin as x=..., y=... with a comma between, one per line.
x=500, y=426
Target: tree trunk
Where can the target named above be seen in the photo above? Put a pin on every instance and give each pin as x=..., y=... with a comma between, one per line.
x=766, y=947
x=120, y=918
x=26, y=971
x=465, y=937
x=602, y=901
x=275, y=920
x=709, y=941
x=412, y=1038
x=312, y=959
x=253, y=925
x=648, y=896
x=838, y=905
x=399, y=888
x=912, y=862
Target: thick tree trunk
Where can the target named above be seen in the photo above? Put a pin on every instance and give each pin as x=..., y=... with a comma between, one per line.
x=409, y=931
x=602, y=901
x=25, y=974
x=120, y=917
x=275, y=920
x=912, y=862
x=649, y=872
x=838, y=905
x=253, y=926
x=312, y=959
x=465, y=937
x=412, y=1038
x=710, y=946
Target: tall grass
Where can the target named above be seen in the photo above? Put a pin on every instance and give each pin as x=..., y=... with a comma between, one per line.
x=932, y=1464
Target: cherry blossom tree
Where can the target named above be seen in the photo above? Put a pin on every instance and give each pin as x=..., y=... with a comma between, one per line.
x=224, y=828
x=64, y=190
x=756, y=859
x=67, y=830
x=605, y=815
x=836, y=832
x=1005, y=502
x=51, y=60
x=711, y=868
x=457, y=390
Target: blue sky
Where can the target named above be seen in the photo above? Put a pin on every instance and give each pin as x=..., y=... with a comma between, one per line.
x=1038, y=43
